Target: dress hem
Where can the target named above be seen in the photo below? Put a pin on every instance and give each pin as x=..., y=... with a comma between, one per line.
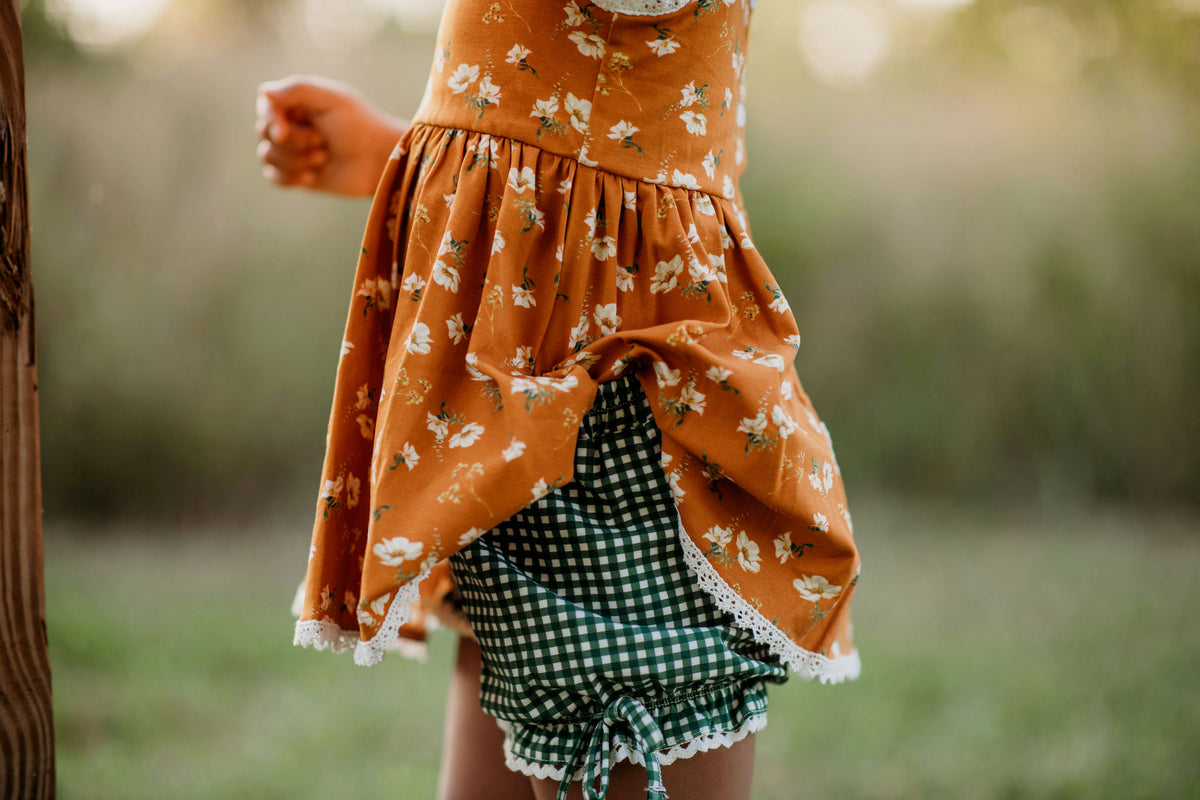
x=805, y=663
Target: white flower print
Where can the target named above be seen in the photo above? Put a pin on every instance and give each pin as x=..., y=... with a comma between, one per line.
x=332, y=490
x=718, y=266
x=607, y=319
x=699, y=272
x=471, y=362
x=754, y=426
x=523, y=297
x=820, y=522
x=583, y=157
x=395, y=551
x=368, y=614
x=347, y=346
x=463, y=77
x=408, y=456
x=695, y=121
x=783, y=546
x=821, y=480
x=815, y=587
x=629, y=197
x=704, y=206
x=579, y=335
x=516, y=54
x=666, y=275
x=785, y=390
x=693, y=235
x=621, y=130
x=564, y=187
x=470, y=536
x=521, y=180
x=419, y=339
x=779, y=304
x=497, y=243
x=364, y=397
x=413, y=284
x=589, y=219
x=437, y=425
x=624, y=279
x=747, y=553
x=727, y=190
x=718, y=374
x=787, y=425
x=685, y=180
x=726, y=239
x=604, y=249
x=540, y=489
x=690, y=95
x=445, y=275
x=665, y=375
x=793, y=340
x=719, y=536
x=691, y=398
x=523, y=360
x=488, y=92
x=545, y=108
x=663, y=47
x=709, y=163
x=772, y=360
x=574, y=15
x=588, y=43
x=677, y=491
x=514, y=450
x=580, y=111
x=466, y=437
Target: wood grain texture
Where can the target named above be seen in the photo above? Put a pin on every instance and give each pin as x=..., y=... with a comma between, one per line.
x=26, y=724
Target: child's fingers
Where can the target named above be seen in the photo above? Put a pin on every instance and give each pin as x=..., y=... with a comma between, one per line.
x=287, y=161
x=282, y=178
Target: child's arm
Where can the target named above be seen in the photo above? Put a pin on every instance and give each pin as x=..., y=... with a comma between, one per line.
x=323, y=135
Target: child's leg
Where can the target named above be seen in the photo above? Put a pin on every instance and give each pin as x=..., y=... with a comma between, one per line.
x=472, y=750
x=721, y=774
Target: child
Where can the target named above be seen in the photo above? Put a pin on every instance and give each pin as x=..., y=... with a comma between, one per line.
x=565, y=415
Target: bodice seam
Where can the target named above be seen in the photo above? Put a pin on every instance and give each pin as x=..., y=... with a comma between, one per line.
x=575, y=160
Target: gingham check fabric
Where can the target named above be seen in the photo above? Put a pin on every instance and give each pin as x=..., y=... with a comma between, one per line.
x=583, y=601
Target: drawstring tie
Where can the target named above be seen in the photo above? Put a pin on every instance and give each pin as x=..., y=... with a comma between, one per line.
x=594, y=752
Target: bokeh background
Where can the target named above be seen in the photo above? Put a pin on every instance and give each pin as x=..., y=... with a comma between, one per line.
x=986, y=215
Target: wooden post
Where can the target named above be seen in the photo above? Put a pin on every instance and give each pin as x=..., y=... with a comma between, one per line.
x=26, y=725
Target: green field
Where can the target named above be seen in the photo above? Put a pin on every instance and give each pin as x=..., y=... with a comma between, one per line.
x=1013, y=657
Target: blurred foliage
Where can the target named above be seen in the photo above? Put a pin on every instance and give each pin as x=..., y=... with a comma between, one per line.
x=997, y=277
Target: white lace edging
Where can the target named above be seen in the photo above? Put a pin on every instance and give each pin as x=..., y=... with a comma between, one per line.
x=642, y=8
x=325, y=635
x=805, y=663
x=622, y=751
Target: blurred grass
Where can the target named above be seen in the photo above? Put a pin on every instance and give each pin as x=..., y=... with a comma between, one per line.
x=1005, y=656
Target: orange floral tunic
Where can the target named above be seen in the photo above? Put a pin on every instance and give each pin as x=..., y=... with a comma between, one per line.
x=563, y=210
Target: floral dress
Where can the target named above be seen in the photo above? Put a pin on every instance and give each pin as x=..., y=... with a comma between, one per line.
x=563, y=211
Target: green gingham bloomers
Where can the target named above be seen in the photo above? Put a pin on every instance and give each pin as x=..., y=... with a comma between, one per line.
x=597, y=643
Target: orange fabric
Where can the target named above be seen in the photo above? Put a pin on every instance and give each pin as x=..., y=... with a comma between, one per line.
x=564, y=209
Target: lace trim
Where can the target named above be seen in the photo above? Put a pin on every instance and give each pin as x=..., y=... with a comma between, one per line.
x=804, y=663
x=622, y=752
x=641, y=8
x=325, y=635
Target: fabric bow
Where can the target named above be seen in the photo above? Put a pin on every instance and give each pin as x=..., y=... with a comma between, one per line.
x=595, y=749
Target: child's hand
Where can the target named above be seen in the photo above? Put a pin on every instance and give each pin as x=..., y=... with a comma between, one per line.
x=323, y=135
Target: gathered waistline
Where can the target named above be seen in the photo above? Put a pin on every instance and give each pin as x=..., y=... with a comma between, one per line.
x=600, y=168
